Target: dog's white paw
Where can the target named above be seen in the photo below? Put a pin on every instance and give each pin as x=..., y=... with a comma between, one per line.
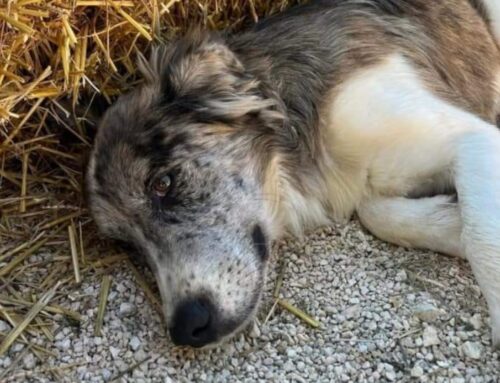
x=486, y=269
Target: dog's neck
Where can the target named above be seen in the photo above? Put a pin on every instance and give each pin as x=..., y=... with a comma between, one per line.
x=303, y=188
x=293, y=186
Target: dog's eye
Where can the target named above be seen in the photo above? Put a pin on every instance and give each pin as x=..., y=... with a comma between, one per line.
x=162, y=185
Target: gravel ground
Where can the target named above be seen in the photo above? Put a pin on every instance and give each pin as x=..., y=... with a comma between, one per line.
x=386, y=313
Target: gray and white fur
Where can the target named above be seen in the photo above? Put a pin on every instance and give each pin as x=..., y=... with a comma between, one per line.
x=386, y=108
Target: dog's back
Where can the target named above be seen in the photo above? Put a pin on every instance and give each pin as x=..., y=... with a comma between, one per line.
x=315, y=47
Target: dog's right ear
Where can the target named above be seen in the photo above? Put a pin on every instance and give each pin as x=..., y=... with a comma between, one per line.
x=187, y=60
x=200, y=73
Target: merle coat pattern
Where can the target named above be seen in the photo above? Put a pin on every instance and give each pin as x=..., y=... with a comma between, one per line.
x=385, y=108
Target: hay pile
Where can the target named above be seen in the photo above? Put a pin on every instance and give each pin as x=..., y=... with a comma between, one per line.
x=55, y=56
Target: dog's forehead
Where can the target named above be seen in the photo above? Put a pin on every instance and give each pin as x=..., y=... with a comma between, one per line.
x=117, y=166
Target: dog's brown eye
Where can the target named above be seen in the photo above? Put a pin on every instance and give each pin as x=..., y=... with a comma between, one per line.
x=162, y=185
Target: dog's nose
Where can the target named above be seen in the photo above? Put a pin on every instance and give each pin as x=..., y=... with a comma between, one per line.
x=193, y=324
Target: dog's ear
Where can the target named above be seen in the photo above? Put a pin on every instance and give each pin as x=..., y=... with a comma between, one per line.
x=202, y=74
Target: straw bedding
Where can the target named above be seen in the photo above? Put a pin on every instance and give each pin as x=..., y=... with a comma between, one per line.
x=56, y=57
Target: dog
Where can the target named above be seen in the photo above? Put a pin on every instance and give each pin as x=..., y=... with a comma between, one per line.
x=383, y=108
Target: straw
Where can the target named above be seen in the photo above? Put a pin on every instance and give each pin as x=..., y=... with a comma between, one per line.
x=14, y=334
x=103, y=300
x=299, y=313
x=74, y=253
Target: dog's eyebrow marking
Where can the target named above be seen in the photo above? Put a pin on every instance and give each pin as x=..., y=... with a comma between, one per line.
x=159, y=146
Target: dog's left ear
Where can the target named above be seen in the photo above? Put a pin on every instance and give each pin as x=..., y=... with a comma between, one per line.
x=202, y=74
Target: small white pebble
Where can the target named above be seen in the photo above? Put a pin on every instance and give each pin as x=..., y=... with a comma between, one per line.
x=17, y=347
x=64, y=344
x=430, y=336
x=255, y=331
x=126, y=309
x=29, y=361
x=134, y=343
x=401, y=276
x=106, y=374
x=114, y=352
x=427, y=312
x=390, y=375
x=140, y=355
x=472, y=350
x=4, y=326
x=476, y=321
x=268, y=362
x=417, y=371
x=6, y=361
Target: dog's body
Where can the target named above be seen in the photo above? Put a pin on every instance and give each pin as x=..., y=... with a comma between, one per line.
x=386, y=108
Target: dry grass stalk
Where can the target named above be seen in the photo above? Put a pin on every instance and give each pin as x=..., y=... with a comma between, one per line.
x=32, y=313
x=299, y=313
x=22, y=202
x=103, y=300
x=54, y=309
x=37, y=350
x=74, y=253
x=279, y=280
x=20, y=258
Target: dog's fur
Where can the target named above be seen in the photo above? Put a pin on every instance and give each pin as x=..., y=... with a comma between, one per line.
x=386, y=108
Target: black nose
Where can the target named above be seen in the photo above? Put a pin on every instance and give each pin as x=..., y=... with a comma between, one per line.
x=193, y=324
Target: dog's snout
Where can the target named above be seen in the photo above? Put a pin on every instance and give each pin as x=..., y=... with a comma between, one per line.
x=194, y=324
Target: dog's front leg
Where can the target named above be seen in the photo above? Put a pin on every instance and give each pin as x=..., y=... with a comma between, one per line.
x=432, y=223
x=469, y=228
x=477, y=179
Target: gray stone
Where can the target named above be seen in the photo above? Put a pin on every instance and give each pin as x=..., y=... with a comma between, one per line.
x=115, y=352
x=29, y=361
x=126, y=309
x=476, y=321
x=140, y=355
x=472, y=350
x=401, y=276
x=64, y=344
x=430, y=336
x=427, y=312
x=134, y=343
x=255, y=331
x=4, y=326
x=417, y=371
x=106, y=374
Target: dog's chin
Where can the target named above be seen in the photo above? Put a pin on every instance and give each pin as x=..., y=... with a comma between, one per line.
x=220, y=342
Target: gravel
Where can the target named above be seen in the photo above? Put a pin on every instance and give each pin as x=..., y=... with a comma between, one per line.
x=387, y=314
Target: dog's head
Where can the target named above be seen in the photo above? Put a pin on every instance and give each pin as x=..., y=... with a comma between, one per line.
x=179, y=171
